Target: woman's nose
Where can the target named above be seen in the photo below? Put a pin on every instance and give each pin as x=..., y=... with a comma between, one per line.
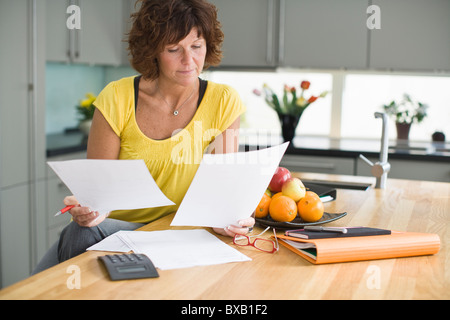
x=187, y=57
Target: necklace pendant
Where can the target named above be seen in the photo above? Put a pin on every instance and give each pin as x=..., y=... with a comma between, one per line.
x=175, y=113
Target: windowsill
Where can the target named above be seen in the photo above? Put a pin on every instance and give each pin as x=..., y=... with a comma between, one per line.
x=350, y=147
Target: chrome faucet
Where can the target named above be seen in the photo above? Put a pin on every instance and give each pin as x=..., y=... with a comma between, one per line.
x=381, y=168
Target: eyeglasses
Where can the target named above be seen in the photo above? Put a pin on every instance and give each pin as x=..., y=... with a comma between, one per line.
x=262, y=244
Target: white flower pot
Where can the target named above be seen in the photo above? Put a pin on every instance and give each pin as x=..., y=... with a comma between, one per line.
x=85, y=126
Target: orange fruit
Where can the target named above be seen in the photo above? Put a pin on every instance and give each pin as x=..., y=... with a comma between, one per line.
x=310, y=207
x=262, y=210
x=283, y=209
x=276, y=195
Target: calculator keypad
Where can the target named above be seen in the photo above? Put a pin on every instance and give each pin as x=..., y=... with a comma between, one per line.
x=129, y=266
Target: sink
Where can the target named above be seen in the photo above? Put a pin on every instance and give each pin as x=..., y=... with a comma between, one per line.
x=340, y=184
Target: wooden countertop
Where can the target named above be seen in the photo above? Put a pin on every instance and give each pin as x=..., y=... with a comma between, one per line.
x=404, y=205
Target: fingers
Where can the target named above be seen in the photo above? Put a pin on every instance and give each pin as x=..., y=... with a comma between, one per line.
x=83, y=216
x=223, y=232
x=248, y=222
x=245, y=226
x=70, y=201
x=233, y=230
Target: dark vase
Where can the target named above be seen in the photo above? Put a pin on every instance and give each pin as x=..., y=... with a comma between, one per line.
x=288, y=125
x=403, y=130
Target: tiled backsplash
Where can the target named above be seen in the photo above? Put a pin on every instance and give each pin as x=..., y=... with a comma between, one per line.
x=67, y=84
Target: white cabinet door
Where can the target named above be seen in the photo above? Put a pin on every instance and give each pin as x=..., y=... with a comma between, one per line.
x=57, y=34
x=414, y=35
x=98, y=41
x=249, y=29
x=14, y=94
x=410, y=169
x=101, y=35
x=323, y=33
x=15, y=234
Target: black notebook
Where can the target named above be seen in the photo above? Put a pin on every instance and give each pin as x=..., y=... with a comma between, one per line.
x=351, y=232
x=322, y=191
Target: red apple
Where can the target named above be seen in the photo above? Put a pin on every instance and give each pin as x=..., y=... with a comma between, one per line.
x=294, y=189
x=279, y=177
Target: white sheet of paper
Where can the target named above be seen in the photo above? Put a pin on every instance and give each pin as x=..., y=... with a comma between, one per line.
x=228, y=187
x=173, y=249
x=113, y=243
x=107, y=185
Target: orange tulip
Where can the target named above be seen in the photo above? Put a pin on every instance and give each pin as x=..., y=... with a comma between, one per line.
x=312, y=99
x=305, y=85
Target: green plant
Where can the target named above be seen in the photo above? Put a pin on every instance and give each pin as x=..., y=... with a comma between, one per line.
x=86, y=108
x=406, y=110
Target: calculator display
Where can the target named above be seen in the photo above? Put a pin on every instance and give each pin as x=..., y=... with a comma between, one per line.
x=130, y=269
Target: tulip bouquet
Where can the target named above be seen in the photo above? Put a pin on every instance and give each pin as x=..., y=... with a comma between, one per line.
x=290, y=104
x=86, y=108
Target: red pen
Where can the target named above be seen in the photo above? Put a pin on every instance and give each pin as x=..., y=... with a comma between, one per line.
x=67, y=208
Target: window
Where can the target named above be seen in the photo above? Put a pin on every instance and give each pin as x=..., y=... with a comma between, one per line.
x=365, y=94
x=260, y=118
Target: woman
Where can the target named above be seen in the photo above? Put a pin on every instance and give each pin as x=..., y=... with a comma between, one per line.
x=167, y=116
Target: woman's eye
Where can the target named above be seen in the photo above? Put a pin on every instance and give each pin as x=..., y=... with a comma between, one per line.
x=172, y=50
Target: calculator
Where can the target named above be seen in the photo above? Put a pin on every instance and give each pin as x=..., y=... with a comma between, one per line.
x=129, y=266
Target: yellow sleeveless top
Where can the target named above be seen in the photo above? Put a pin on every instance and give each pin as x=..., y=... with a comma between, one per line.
x=172, y=162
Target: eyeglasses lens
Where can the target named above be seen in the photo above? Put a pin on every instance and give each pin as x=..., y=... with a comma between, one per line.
x=241, y=241
x=264, y=245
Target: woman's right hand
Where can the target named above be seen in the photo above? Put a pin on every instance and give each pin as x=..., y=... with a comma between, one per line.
x=84, y=216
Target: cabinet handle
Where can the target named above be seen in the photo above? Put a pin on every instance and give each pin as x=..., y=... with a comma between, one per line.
x=269, y=44
x=281, y=32
x=77, y=36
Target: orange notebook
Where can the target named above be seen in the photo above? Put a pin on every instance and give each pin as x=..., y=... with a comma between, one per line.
x=333, y=250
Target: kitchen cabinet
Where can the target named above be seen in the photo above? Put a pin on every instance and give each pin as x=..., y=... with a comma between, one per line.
x=410, y=169
x=292, y=33
x=319, y=164
x=413, y=35
x=249, y=27
x=98, y=41
x=15, y=234
x=22, y=137
x=329, y=34
x=323, y=34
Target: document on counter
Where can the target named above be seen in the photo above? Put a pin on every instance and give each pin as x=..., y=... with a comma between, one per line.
x=107, y=185
x=228, y=187
x=173, y=249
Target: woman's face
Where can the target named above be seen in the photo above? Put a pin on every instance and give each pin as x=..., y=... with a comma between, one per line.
x=183, y=62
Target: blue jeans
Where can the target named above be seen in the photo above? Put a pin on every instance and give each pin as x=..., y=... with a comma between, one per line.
x=75, y=239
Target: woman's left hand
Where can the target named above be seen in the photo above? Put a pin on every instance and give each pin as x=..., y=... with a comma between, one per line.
x=231, y=231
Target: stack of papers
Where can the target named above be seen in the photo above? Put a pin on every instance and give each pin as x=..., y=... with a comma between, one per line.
x=173, y=249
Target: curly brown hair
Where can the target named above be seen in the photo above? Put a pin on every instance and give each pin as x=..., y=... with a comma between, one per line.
x=163, y=22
